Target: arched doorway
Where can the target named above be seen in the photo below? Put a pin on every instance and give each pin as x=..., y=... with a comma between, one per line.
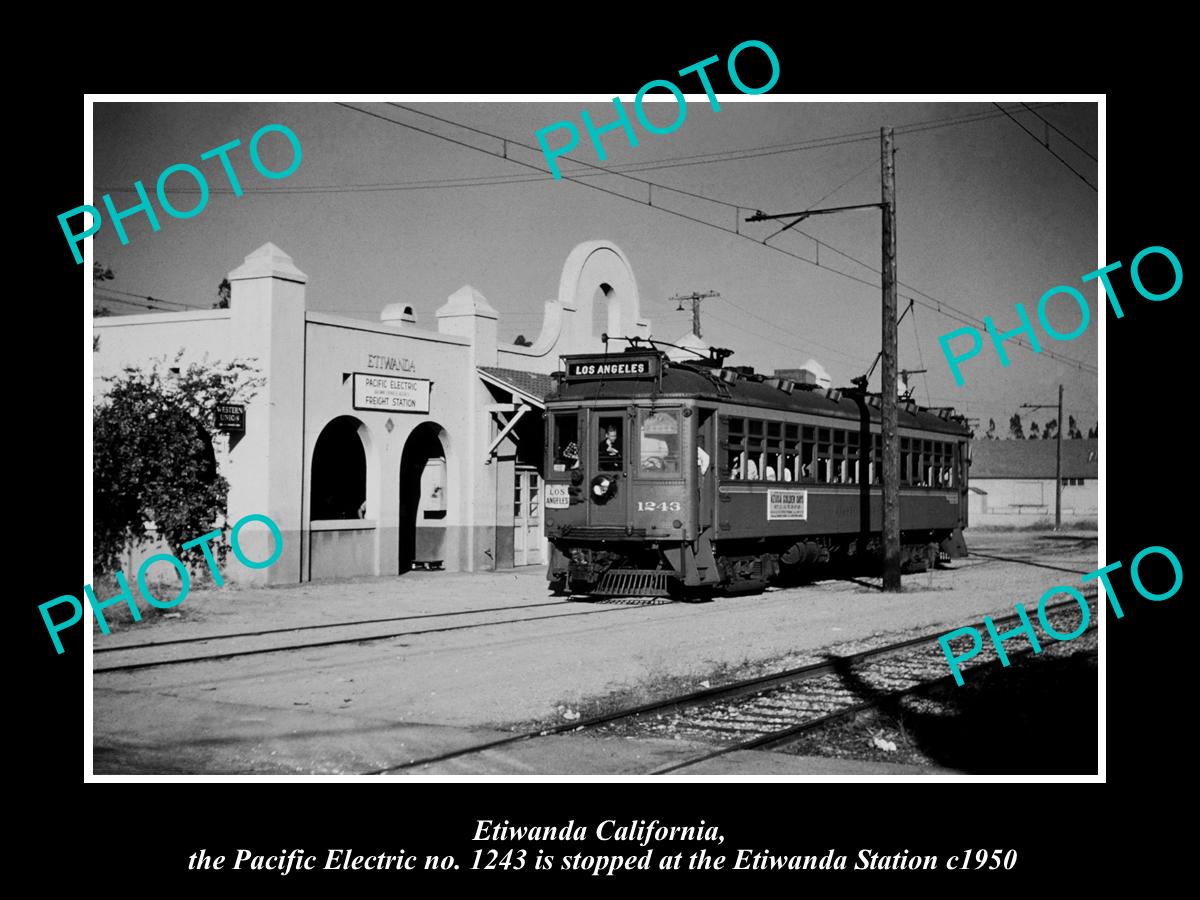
x=339, y=471
x=344, y=508
x=423, y=498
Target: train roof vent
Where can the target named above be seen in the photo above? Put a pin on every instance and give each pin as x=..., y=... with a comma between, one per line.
x=834, y=395
x=729, y=376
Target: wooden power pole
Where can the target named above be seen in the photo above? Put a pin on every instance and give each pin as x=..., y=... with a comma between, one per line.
x=1057, y=455
x=1058, y=467
x=891, y=443
x=695, y=299
x=889, y=352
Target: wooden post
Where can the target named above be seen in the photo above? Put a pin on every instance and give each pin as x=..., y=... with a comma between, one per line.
x=1058, y=466
x=891, y=443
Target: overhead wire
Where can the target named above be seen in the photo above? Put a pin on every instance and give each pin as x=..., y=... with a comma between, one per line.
x=939, y=306
x=113, y=290
x=1084, y=150
x=596, y=171
x=1046, y=147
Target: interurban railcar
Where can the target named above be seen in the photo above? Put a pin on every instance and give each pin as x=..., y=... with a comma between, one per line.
x=683, y=477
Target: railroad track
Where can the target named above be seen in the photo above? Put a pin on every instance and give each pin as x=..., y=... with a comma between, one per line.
x=768, y=710
x=1030, y=562
x=774, y=719
x=332, y=642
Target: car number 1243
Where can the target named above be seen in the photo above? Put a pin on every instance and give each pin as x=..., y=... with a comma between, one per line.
x=665, y=506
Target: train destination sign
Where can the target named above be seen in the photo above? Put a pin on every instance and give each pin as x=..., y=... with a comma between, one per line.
x=387, y=393
x=612, y=367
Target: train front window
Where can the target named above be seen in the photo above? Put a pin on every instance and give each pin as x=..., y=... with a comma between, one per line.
x=565, y=441
x=610, y=451
x=659, y=443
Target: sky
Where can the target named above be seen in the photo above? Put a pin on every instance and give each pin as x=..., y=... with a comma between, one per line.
x=380, y=212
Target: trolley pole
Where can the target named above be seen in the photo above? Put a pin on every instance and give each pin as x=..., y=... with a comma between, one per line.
x=891, y=443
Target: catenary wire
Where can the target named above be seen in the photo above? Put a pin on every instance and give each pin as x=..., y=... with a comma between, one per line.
x=666, y=163
x=939, y=306
x=1046, y=147
x=1072, y=140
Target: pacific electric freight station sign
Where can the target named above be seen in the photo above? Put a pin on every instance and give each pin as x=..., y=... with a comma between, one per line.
x=611, y=368
x=386, y=393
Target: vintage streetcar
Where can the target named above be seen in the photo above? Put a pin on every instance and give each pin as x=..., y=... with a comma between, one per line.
x=670, y=477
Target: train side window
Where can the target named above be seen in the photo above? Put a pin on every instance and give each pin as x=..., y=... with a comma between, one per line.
x=736, y=456
x=610, y=449
x=756, y=458
x=789, y=468
x=852, y=458
x=876, y=459
x=773, y=457
x=808, y=462
x=565, y=441
x=905, y=451
x=927, y=464
x=824, y=443
x=659, y=446
x=838, y=456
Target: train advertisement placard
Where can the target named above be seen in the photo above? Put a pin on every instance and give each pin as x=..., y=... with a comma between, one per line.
x=787, y=505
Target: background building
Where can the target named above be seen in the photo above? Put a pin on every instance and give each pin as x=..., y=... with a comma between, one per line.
x=1012, y=482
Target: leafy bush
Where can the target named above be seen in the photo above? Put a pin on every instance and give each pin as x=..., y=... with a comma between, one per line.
x=153, y=460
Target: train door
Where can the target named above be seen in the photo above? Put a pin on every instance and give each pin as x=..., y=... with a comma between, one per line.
x=527, y=518
x=706, y=464
x=608, y=486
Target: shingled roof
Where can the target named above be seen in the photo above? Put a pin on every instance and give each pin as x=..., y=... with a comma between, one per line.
x=1034, y=459
x=532, y=384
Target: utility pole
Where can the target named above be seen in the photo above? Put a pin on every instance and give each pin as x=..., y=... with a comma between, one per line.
x=1057, y=455
x=891, y=443
x=889, y=353
x=695, y=299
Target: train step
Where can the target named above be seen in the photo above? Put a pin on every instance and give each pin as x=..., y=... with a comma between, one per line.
x=633, y=583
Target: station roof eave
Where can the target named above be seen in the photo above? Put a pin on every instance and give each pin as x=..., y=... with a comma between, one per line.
x=531, y=387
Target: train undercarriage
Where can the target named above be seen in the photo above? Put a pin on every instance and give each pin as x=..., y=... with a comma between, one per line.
x=698, y=569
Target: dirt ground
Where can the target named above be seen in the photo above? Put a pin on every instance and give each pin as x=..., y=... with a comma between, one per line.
x=368, y=704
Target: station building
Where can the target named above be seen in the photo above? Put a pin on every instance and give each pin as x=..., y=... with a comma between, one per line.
x=1012, y=482
x=379, y=445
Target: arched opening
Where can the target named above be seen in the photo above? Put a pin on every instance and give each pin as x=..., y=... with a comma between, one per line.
x=602, y=309
x=339, y=471
x=423, y=498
